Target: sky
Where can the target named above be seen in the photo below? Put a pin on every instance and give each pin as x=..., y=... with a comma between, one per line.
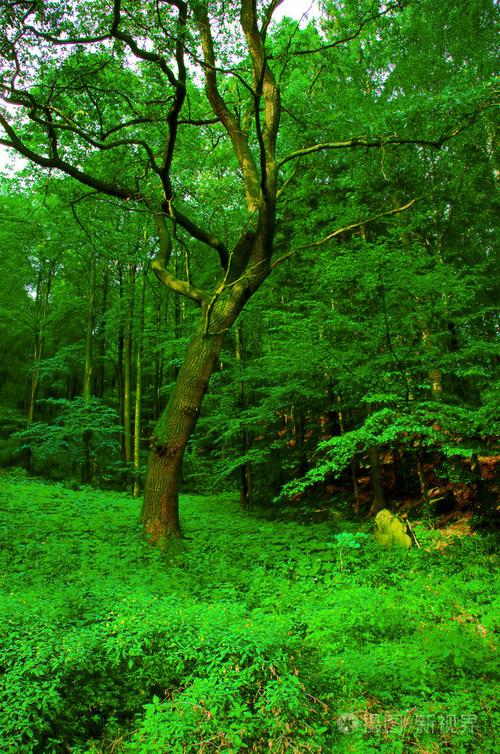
x=296, y=8
x=291, y=8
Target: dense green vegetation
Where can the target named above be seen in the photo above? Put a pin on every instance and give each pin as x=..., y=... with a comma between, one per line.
x=254, y=635
x=330, y=184
x=251, y=259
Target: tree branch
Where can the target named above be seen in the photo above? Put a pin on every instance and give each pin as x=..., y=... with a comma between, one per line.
x=159, y=266
x=69, y=40
x=354, y=35
x=265, y=86
x=238, y=137
x=360, y=142
x=201, y=235
x=139, y=52
x=111, y=189
x=178, y=101
x=467, y=120
x=345, y=229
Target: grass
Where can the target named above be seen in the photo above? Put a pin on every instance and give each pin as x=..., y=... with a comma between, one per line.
x=253, y=636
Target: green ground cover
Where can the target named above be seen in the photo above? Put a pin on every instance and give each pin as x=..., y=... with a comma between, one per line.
x=253, y=636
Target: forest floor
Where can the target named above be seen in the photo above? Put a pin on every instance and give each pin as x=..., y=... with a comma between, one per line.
x=251, y=636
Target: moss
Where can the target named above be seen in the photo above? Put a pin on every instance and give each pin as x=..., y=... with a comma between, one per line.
x=390, y=531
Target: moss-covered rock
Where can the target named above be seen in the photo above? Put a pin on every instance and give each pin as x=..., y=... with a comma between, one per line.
x=390, y=531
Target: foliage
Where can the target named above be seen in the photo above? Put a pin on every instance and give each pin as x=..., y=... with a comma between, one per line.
x=84, y=432
x=453, y=431
x=230, y=645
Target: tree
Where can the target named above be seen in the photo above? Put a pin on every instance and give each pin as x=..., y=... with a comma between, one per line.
x=83, y=81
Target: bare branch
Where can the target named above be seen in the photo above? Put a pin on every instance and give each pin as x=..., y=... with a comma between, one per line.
x=362, y=222
x=176, y=107
x=198, y=122
x=69, y=125
x=268, y=16
x=266, y=87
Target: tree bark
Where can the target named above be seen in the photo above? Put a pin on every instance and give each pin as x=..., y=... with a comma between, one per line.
x=353, y=466
x=160, y=515
x=378, y=490
x=160, y=512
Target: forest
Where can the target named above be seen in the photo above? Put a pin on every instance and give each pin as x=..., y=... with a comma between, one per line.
x=249, y=377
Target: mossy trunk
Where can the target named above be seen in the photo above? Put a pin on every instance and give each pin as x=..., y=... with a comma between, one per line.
x=160, y=512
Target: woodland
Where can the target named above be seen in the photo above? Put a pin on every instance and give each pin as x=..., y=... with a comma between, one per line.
x=249, y=376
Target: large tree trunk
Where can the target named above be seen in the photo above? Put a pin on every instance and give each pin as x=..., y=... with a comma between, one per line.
x=160, y=512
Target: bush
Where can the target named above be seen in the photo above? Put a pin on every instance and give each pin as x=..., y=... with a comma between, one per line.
x=82, y=441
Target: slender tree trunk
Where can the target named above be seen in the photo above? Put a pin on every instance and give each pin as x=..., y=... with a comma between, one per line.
x=127, y=370
x=70, y=387
x=246, y=486
x=484, y=503
x=119, y=365
x=35, y=376
x=101, y=369
x=434, y=374
x=179, y=316
x=138, y=388
x=42, y=307
x=158, y=370
x=353, y=466
x=298, y=433
x=424, y=490
x=86, y=467
x=355, y=486
x=89, y=336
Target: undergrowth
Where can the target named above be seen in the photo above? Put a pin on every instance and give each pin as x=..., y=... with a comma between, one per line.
x=254, y=636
